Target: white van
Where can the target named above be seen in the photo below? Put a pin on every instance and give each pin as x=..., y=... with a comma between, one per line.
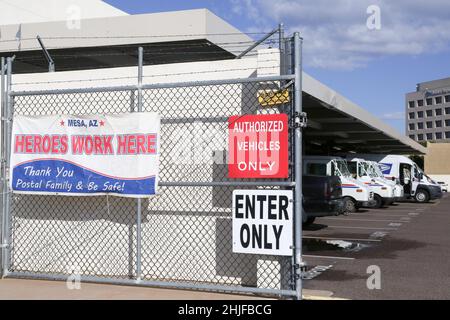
x=374, y=168
x=355, y=193
x=416, y=184
x=383, y=192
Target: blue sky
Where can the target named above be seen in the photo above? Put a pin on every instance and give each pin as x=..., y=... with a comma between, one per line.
x=372, y=67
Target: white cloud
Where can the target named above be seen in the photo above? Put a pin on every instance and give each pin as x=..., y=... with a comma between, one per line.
x=335, y=32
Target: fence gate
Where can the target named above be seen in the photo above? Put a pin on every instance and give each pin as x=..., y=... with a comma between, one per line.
x=180, y=238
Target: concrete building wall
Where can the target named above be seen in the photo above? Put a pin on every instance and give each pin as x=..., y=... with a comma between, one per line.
x=437, y=165
x=32, y=11
x=436, y=160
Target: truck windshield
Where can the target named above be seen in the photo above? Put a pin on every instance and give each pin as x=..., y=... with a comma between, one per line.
x=377, y=170
x=340, y=168
x=351, y=166
x=366, y=170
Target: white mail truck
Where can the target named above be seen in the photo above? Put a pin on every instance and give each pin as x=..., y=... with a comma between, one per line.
x=355, y=193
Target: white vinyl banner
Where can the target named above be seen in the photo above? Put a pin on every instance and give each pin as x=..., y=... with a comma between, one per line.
x=263, y=222
x=86, y=155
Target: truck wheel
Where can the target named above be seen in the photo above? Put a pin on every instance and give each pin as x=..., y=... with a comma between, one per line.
x=378, y=201
x=422, y=196
x=309, y=221
x=349, y=205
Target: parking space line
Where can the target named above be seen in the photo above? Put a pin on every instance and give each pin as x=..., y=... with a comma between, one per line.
x=364, y=228
x=379, y=234
x=336, y=238
x=368, y=220
x=327, y=257
x=395, y=224
x=376, y=214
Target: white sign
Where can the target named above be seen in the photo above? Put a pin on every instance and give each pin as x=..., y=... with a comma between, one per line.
x=262, y=222
x=86, y=155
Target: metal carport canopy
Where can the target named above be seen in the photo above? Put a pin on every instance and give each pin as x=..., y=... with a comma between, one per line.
x=335, y=124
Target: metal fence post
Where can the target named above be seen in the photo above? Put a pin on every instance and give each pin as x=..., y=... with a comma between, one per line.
x=139, y=201
x=281, y=48
x=6, y=245
x=3, y=158
x=298, y=164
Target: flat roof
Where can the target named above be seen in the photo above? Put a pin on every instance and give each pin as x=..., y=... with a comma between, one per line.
x=197, y=35
x=434, y=84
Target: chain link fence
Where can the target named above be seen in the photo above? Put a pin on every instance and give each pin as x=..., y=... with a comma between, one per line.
x=186, y=228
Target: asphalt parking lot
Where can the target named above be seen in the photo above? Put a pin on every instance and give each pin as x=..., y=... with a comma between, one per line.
x=409, y=242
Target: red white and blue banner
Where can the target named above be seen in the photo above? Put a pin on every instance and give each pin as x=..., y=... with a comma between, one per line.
x=86, y=155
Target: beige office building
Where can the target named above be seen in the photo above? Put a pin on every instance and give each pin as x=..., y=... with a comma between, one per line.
x=437, y=164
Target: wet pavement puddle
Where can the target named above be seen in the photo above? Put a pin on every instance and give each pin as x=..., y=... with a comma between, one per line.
x=312, y=245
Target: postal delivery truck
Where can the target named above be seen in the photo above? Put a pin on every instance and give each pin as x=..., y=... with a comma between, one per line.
x=416, y=184
x=383, y=193
x=355, y=194
x=374, y=168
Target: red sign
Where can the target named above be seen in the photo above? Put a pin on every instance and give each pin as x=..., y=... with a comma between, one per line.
x=258, y=146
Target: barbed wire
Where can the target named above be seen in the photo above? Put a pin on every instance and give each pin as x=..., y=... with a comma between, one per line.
x=172, y=45
x=148, y=76
x=183, y=43
x=136, y=36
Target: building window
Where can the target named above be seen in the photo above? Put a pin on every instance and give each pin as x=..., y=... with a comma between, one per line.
x=420, y=136
x=411, y=136
x=420, y=125
x=411, y=104
x=438, y=123
x=429, y=136
x=420, y=114
x=412, y=126
x=420, y=103
x=447, y=123
x=429, y=101
x=447, y=134
x=438, y=112
x=438, y=135
x=411, y=115
x=429, y=113
x=438, y=100
x=429, y=124
x=447, y=110
x=447, y=98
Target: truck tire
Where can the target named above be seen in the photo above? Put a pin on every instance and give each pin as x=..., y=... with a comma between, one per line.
x=378, y=201
x=309, y=221
x=422, y=196
x=349, y=205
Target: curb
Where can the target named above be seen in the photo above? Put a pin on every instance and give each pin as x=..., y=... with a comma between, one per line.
x=308, y=297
